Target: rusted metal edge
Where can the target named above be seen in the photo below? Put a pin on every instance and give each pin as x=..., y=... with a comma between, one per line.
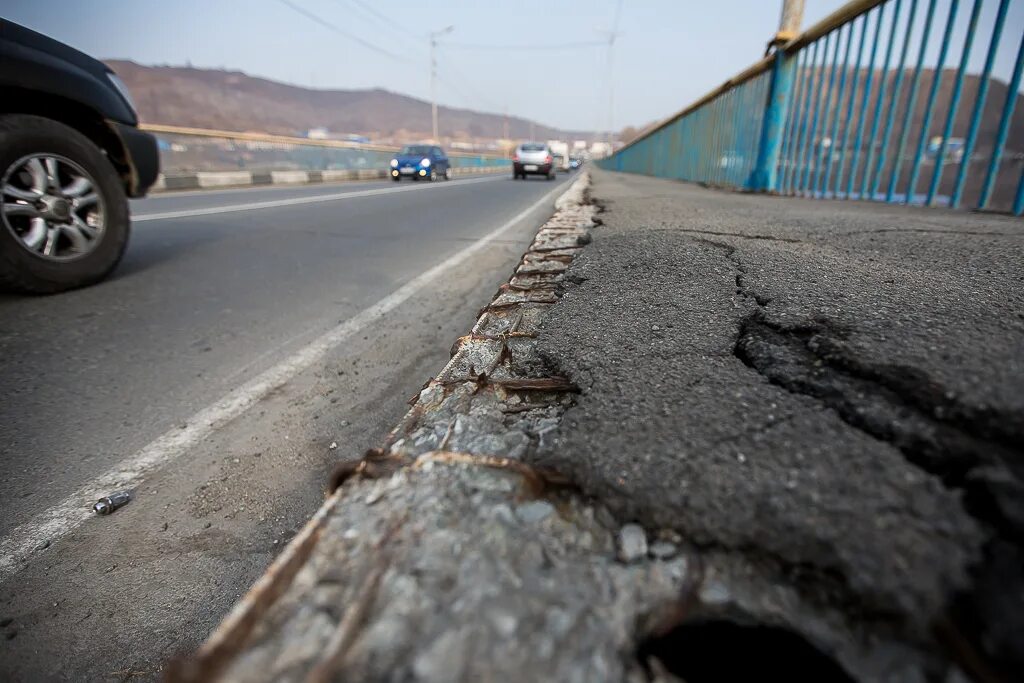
x=538, y=479
x=553, y=384
x=214, y=654
x=513, y=304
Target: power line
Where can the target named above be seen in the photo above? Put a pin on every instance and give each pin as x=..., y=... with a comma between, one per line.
x=323, y=22
x=366, y=7
x=536, y=46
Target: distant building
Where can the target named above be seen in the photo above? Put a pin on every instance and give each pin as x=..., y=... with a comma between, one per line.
x=600, y=150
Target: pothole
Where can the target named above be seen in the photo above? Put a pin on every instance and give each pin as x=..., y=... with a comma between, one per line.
x=715, y=650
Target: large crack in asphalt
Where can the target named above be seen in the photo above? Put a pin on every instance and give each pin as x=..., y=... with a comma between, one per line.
x=972, y=449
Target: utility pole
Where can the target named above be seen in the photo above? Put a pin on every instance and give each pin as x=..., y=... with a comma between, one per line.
x=434, y=35
x=789, y=23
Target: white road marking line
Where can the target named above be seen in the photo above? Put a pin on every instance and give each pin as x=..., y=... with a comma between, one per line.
x=315, y=199
x=46, y=528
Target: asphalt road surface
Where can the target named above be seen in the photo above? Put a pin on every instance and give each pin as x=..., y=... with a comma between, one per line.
x=249, y=340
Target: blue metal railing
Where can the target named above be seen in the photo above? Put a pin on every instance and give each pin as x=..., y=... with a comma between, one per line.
x=823, y=118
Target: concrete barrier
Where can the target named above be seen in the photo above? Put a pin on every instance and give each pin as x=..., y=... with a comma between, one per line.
x=289, y=177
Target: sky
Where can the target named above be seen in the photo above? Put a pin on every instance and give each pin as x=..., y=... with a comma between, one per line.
x=668, y=52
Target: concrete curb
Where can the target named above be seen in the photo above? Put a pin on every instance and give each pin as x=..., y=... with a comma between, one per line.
x=222, y=179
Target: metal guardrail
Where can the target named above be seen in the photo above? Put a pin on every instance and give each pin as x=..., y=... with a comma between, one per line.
x=876, y=102
x=191, y=150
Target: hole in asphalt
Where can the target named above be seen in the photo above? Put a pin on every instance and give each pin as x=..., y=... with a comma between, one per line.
x=718, y=650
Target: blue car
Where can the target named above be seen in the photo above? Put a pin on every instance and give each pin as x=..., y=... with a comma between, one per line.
x=428, y=162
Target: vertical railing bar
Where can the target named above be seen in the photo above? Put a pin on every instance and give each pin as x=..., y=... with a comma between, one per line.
x=752, y=128
x=806, y=173
x=848, y=118
x=750, y=89
x=954, y=104
x=838, y=108
x=705, y=143
x=737, y=133
x=691, y=146
x=821, y=113
x=794, y=113
x=695, y=141
x=915, y=84
x=883, y=77
x=1018, y=201
x=805, y=117
x=715, y=173
x=723, y=135
x=740, y=132
x=894, y=102
x=824, y=109
x=709, y=125
x=727, y=133
x=699, y=132
x=787, y=136
x=728, y=130
x=933, y=93
x=712, y=135
x=979, y=103
x=673, y=149
x=733, y=132
x=1003, y=130
x=865, y=99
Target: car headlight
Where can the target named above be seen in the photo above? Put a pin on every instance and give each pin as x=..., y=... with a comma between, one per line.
x=394, y=163
x=425, y=162
x=122, y=90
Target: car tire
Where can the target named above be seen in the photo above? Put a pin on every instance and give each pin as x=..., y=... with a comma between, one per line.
x=448, y=173
x=396, y=178
x=21, y=268
x=551, y=176
x=431, y=176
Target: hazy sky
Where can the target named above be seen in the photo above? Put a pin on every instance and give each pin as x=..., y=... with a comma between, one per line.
x=670, y=51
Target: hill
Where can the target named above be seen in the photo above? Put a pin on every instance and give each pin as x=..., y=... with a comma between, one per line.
x=232, y=100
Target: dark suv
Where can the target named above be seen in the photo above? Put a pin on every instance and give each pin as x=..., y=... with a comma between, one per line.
x=71, y=153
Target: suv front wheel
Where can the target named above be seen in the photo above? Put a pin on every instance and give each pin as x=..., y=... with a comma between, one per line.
x=64, y=220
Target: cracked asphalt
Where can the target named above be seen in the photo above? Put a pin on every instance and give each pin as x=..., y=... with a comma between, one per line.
x=828, y=391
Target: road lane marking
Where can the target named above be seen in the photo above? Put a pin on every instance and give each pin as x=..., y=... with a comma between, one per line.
x=315, y=199
x=46, y=528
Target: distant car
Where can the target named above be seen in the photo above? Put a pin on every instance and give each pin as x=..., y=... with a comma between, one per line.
x=70, y=153
x=421, y=161
x=575, y=163
x=533, y=158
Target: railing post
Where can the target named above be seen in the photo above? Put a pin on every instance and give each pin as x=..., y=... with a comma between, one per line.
x=764, y=177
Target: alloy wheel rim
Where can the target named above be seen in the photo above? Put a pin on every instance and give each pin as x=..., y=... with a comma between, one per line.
x=51, y=206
